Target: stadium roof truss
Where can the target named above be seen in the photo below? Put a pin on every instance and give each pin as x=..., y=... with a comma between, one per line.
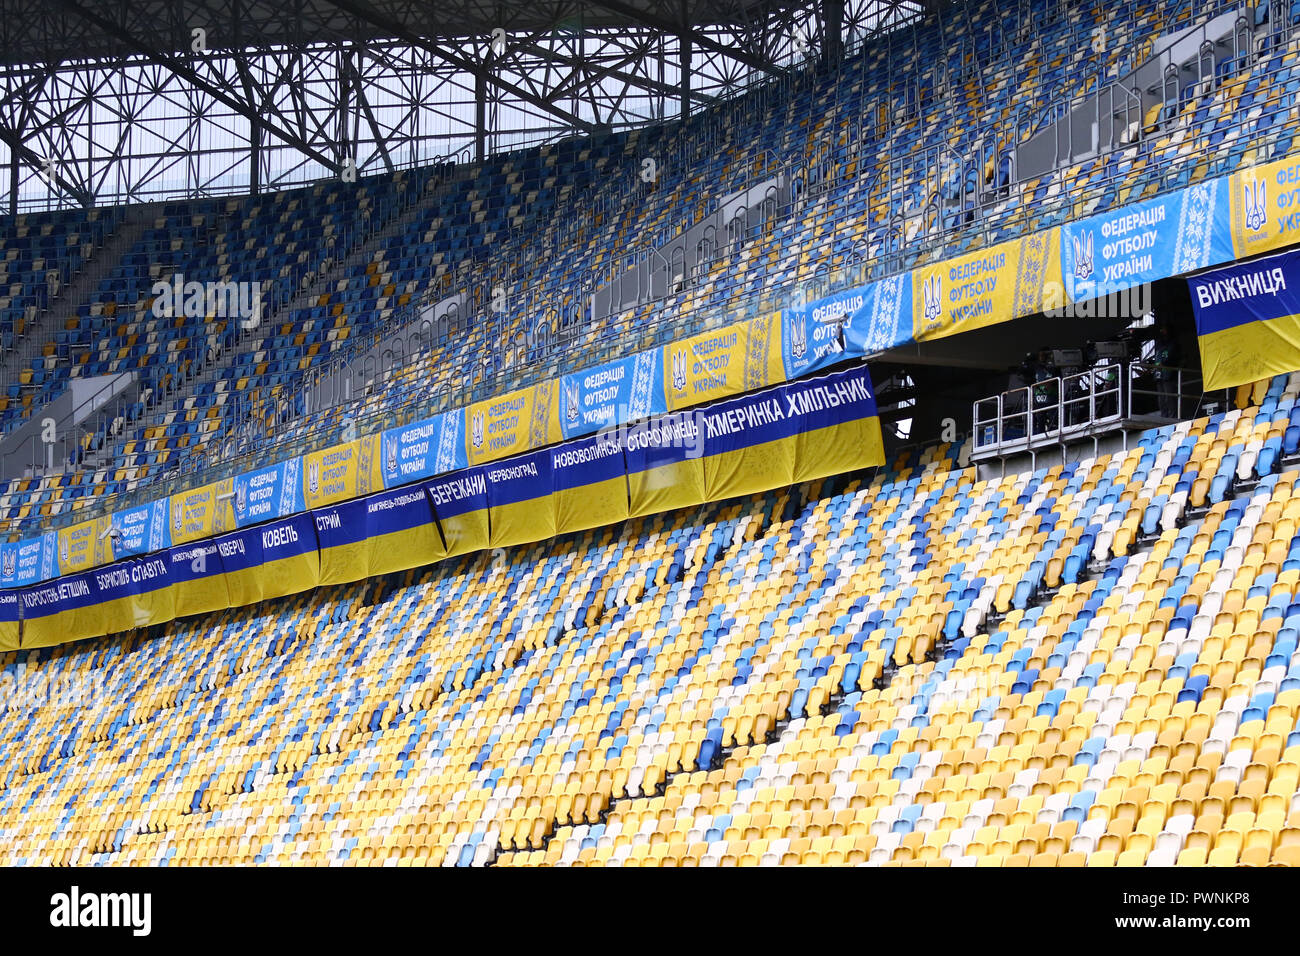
x=107, y=101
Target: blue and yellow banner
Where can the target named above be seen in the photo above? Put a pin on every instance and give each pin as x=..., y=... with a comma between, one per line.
x=520, y=509
x=499, y=427
x=734, y=359
x=515, y=423
x=269, y=493
x=127, y=595
x=810, y=334
x=1265, y=207
x=589, y=482
x=423, y=449
x=884, y=319
x=342, y=471
x=748, y=445
x=1144, y=242
x=612, y=394
x=665, y=466
x=791, y=433
x=203, y=512
x=390, y=531
x=85, y=545
x=9, y=564
x=271, y=560
x=839, y=425
x=142, y=530
x=45, y=552
x=769, y=439
x=460, y=502
x=31, y=560
x=240, y=566
x=111, y=608
x=111, y=600
x=52, y=612
x=984, y=288
x=1248, y=320
x=197, y=577
x=10, y=615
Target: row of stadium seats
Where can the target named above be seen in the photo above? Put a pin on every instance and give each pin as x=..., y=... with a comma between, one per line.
x=256, y=240
x=1094, y=663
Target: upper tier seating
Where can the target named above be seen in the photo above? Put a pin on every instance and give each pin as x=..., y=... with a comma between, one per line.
x=864, y=146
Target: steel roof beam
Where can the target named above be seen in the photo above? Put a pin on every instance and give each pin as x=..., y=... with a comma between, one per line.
x=398, y=30
x=700, y=39
x=41, y=163
x=186, y=72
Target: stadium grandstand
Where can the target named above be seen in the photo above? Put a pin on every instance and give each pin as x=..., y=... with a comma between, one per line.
x=640, y=433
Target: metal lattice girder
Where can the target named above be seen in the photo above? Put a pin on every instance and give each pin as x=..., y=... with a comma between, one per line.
x=134, y=99
x=220, y=91
x=684, y=30
x=453, y=56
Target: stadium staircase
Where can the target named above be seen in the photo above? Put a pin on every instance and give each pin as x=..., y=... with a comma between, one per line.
x=43, y=331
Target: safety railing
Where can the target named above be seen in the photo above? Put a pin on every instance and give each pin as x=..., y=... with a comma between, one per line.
x=265, y=434
x=1063, y=408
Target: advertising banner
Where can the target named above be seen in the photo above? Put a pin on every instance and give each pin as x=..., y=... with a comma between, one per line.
x=1248, y=320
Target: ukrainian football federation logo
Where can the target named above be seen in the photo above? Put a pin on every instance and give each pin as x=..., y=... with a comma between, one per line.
x=799, y=335
x=1256, y=199
x=476, y=429
x=679, y=370
x=241, y=500
x=63, y=550
x=390, y=458
x=932, y=292
x=313, y=477
x=571, y=401
x=1083, y=258
x=178, y=516
x=10, y=564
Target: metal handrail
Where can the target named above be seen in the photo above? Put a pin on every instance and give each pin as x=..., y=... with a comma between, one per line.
x=1058, y=408
x=407, y=410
